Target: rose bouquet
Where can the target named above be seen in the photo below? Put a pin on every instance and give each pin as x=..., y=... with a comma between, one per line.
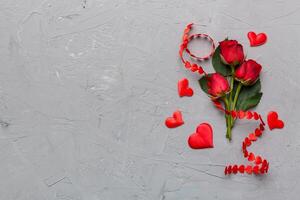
x=236, y=80
x=234, y=89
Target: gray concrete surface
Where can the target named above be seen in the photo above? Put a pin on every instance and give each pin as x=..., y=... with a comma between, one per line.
x=86, y=85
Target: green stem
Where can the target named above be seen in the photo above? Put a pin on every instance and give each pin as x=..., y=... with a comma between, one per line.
x=230, y=95
x=227, y=117
x=238, y=89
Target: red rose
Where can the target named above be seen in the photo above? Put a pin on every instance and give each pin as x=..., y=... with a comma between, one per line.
x=248, y=72
x=231, y=52
x=217, y=85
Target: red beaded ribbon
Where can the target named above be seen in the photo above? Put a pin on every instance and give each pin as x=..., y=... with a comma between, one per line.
x=260, y=165
x=184, y=47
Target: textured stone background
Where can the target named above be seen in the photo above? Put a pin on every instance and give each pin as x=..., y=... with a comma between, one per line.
x=86, y=85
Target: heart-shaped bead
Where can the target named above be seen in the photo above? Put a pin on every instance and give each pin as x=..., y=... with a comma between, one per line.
x=251, y=157
x=248, y=169
x=252, y=137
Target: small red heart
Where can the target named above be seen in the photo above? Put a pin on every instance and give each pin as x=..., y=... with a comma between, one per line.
x=251, y=157
x=252, y=137
x=257, y=39
x=273, y=120
x=184, y=89
x=203, y=138
x=247, y=141
x=175, y=121
x=248, y=169
x=246, y=153
x=256, y=169
x=235, y=169
x=242, y=169
x=258, y=132
x=258, y=160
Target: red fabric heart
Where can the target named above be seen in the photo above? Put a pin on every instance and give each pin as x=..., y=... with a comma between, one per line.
x=184, y=89
x=203, y=138
x=175, y=121
x=257, y=39
x=273, y=121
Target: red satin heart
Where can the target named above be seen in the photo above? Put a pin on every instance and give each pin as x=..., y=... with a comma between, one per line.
x=203, y=138
x=257, y=39
x=175, y=121
x=184, y=89
x=273, y=121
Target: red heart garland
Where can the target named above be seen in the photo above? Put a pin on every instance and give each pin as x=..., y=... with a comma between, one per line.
x=257, y=39
x=184, y=89
x=175, y=121
x=273, y=121
x=203, y=138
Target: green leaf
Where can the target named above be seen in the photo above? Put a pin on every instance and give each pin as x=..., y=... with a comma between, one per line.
x=218, y=65
x=203, y=83
x=249, y=96
x=248, y=91
x=249, y=102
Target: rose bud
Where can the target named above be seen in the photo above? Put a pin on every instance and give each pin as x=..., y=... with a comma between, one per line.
x=217, y=85
x=248, y=72
x=231, y=52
